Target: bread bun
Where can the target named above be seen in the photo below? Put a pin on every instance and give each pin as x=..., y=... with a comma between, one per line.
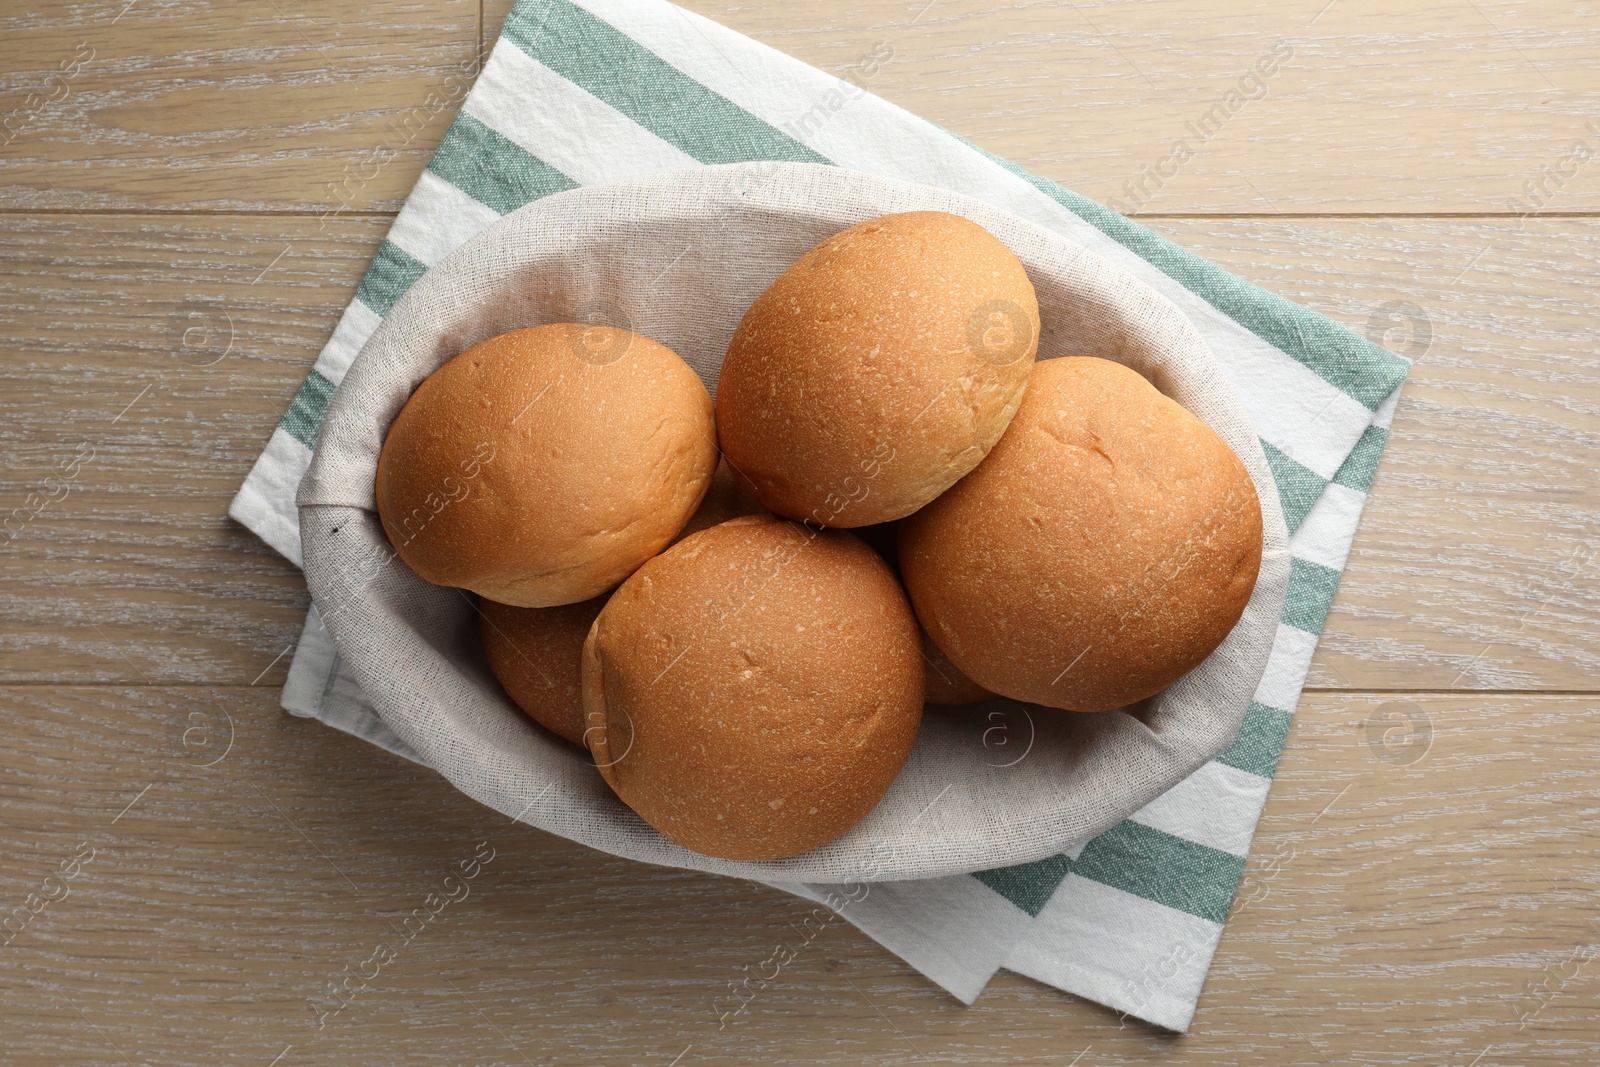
x=725, y=499
x=753, y=691
x=537, y=653
x=943, y=682
x=544, y=465
x=878, y=369
x=1104, y=548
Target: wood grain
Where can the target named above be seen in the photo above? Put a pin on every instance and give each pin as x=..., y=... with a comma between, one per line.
x=1471, y=569
x=216, y=106
x=181, y=226
x=1401, y=896
x=168, y=347
x=283, y=106
x=1450, y=108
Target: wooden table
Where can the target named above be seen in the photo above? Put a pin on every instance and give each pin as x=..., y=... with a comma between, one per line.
x=180, y=228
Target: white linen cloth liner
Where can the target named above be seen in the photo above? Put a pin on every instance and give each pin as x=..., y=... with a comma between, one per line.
x=678, y=257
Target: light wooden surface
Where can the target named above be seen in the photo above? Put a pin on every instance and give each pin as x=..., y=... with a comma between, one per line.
x=1392, y=913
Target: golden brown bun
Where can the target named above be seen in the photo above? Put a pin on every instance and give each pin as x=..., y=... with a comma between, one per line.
x=543, y=466
x=943, y=683
x=537, y=653
x=753, y=691
x=1101, y=551
x=725, y=499
x=878, y=369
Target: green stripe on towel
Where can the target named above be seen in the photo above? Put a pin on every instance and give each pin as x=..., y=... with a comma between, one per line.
x=303, y=419
x=1311, y=589
x=1028, y=885
x=1136, y=859
x=1298, y=487
x=612, y=66
x=493, y=170
x=1259, y=742
x=1361, y=464
x=393, y=271
x=1166, y=869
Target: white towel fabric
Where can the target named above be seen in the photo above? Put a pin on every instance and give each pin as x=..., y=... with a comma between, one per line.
x=582, y=92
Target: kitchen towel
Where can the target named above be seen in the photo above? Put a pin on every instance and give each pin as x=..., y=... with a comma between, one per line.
x=581, y=93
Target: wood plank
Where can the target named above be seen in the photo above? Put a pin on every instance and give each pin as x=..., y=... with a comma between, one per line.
x=1470, y=570
x=1448, y=109
x=280, y=105
x=203, y=106
x=1412, y=910
x=164, y=349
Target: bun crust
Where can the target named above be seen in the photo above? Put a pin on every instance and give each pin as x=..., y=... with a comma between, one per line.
x=878, y=369
x=537, y=653
x=544, y=465
x=725, y=499
x=943, y=682
x=1105, y=547
x=753, y=691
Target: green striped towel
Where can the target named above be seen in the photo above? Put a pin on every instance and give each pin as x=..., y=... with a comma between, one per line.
x=580, y=92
